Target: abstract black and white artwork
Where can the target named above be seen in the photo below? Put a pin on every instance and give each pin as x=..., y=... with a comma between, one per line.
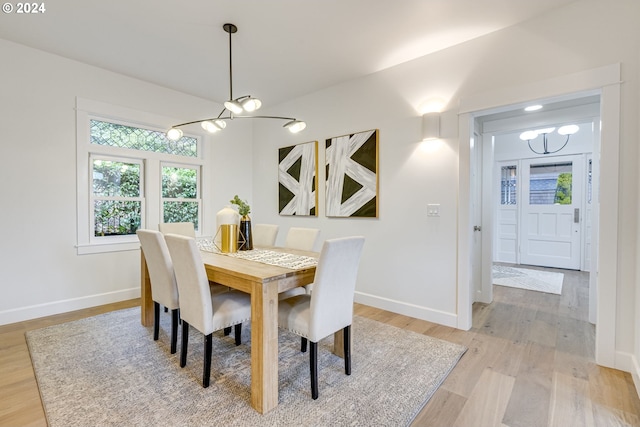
x=352, y=175
x=297, y=177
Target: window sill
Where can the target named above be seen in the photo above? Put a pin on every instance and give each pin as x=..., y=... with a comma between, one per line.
x=98, y=248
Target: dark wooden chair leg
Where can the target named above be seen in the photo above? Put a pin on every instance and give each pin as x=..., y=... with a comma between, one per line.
x=313, y=368
x=185, y=343
x=238, y=333
x=174, y=330
x=227, y=331
x=346, y=332
x=303, y=344
x=206, y=371
x=156, y=320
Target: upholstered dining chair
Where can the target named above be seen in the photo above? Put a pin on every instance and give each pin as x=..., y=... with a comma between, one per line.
x=163, y=283
x=265, y=234
x=182, y=228
x=303, y=239
x=329, y=308
x=188, y=229
x=200, y=308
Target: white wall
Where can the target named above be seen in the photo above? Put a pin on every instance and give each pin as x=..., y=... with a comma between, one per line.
x=409, y=263
x=410, y=260
x=40, y=272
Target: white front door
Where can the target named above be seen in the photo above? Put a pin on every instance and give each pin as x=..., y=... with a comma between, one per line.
x=551, y=211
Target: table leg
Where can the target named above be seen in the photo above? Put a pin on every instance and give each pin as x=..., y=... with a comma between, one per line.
x=264, y=347
x=146, y=302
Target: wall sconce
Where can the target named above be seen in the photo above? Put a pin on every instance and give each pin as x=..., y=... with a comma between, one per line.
x=430, y=126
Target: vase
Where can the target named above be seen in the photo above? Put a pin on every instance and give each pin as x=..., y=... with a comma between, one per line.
x=226, y=238
x=245, y=240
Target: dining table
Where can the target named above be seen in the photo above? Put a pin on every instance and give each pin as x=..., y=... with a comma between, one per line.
x=263, y=281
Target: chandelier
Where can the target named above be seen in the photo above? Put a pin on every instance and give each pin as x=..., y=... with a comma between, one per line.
x=532, y=135
x=234, y=107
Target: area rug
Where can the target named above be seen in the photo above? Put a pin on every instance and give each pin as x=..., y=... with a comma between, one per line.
x=525, y=278
x=107, y=370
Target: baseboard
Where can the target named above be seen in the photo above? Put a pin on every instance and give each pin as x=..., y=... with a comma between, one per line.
x=411, y=310
x=635, y=374
x=63, y=306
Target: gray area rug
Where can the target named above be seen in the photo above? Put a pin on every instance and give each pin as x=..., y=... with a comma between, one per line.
x=107, y=370
x=526, y=278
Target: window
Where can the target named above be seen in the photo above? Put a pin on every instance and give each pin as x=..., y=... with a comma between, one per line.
x=180, y=199
x=131, y=176
x=550, y=184
x=116, y=196
x=508, y=185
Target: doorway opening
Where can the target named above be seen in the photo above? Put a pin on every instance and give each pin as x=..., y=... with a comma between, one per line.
x=536, y=209
x=604, y=82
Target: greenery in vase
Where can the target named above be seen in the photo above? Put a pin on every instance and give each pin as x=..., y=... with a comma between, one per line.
x=243, y=207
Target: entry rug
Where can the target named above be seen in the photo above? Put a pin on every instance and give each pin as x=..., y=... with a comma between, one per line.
x=524, y=278
x=107, y=371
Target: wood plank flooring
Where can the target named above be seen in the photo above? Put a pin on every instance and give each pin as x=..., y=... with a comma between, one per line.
x=530, y=363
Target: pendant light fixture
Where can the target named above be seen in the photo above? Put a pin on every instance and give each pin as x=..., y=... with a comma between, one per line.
x=234, y=107
x=531, y=135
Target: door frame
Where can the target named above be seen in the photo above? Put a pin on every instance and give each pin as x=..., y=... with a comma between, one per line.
x=604, y=81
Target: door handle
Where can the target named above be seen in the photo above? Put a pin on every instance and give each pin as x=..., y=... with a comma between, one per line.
x=576, y=215
x=477, y=228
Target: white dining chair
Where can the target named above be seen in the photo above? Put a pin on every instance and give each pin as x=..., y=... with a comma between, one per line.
x=329, y=308
x=163, y=283
x=303, y=239
x=181, y=228
x=200, y=308
x=265, y=234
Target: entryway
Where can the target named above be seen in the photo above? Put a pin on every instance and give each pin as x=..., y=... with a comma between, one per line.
x=540, y=214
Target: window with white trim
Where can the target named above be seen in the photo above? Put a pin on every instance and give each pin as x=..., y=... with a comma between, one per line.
x=131, y=176
x=116, y=196
x=180, y=194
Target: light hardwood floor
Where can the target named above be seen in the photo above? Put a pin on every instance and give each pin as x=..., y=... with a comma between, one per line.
x=530, y=363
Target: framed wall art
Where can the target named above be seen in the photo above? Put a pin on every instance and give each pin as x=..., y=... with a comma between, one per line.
x=352, y=175
x=298, y=179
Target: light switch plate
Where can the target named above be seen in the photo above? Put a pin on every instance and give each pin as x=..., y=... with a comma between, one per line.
x=433, y=209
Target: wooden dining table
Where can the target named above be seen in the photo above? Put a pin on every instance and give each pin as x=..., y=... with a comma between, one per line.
x=263, y=282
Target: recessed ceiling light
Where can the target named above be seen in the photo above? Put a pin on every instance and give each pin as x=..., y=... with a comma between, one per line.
x=533, y=108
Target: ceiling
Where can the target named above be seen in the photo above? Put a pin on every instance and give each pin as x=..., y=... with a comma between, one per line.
x=283, y=48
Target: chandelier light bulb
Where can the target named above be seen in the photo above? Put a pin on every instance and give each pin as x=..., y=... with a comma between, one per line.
x=174, y=134
x=528, y=135
x=220, y=124
x=233, y=106
x=209, y=126
x=251, y=104
x=568, y=130
x=295, y=126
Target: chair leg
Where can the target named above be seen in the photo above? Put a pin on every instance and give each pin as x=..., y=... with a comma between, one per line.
x=185, y=343
x=346, y=332
x=166, y=310
x=206, y=371
x=174, y=330
x=238, y=333
x=303, y=344
x=227, y=331
x=313, y=368
x=156, y=320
